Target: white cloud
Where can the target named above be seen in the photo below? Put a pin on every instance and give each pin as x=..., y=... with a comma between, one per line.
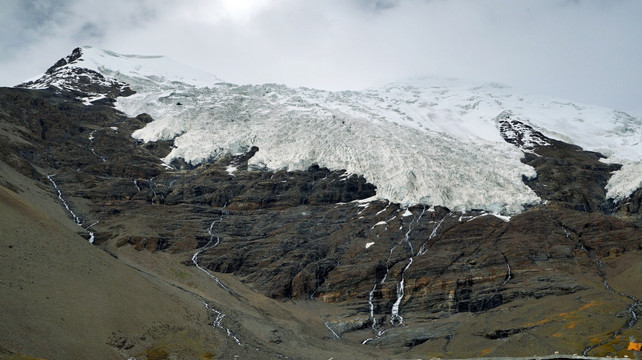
x=586, y=51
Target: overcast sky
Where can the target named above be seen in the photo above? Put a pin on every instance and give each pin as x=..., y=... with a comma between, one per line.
x=585, y=51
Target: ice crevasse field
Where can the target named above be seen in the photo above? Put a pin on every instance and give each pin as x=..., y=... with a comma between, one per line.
x=423, y=141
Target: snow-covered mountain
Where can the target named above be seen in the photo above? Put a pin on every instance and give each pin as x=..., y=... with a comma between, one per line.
x=429, y=141
x=361, y=277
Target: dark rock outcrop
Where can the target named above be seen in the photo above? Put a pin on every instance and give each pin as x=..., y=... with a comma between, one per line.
x=75, y=55
x=565, y=173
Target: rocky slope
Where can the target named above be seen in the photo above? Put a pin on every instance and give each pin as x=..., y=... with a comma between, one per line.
x=306, y=264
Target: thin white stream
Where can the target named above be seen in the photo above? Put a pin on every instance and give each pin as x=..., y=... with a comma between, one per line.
x=215, y=240
x=217, y=323
x=153, y=186
x=91, y=233
x=207, y=246
x=76, y=218
x=374, y=288
x=395, y=318
x=336, y=336
x=395, y=310
x=422, y=248
x=91, y=140
x=98, y=156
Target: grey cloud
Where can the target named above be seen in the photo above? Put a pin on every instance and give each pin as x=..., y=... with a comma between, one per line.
x=25, y=21
x=89, y=31
x=380, y=4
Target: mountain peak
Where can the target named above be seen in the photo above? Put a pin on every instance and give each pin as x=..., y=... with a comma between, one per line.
x=75, y=55
x=84, y=81
x=88, y=66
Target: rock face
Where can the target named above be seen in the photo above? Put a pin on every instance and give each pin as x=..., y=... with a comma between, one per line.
x=425, y=280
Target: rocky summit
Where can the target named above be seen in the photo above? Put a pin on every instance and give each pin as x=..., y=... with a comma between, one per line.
x=221, y=259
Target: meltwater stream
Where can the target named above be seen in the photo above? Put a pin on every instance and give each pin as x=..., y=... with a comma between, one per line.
x=215, y=240
x=91, y=140
x=76, y=218
x=396, y=319
x=218, y=319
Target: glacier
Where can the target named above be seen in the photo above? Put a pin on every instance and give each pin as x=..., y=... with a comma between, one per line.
x=421, y=141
